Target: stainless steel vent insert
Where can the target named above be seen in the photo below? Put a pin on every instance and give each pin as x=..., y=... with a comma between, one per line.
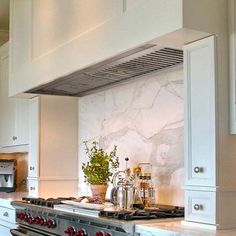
x=132, y=64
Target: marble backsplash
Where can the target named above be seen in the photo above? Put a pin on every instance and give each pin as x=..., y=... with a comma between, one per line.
x=144, y=118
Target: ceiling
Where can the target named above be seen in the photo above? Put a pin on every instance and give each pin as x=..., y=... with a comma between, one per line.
x=4, y=20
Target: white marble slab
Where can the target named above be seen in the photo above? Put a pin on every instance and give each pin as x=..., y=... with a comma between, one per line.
x=176, y=228
x=144, y=118
x=7, y=198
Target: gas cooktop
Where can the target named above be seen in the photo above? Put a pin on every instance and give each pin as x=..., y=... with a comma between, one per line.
x=36, y=216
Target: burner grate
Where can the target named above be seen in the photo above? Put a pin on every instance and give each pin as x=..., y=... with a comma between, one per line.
x=49, y=202
x=158, y=213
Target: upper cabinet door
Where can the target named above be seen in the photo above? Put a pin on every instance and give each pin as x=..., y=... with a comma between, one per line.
x=14, y=130
x=22, y=121
x=7, y=105
x=200, y=112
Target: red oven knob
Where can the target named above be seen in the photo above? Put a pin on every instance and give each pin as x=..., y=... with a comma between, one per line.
x=81, y=232
x=26, y=217
x=50, y=223
x=99, y=233
x=37, y=220
x=42, y=221
x=30, y=220
x=21, y=216
x=70, y=231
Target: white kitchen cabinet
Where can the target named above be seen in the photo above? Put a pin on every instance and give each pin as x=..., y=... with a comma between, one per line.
x=14, y=112
x=7, y=219
x=200, y=113
x=53, y=154
x=210, y=195
x=201, y=206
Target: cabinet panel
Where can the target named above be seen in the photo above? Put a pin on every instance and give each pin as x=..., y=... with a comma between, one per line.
x=14, y=112
x=4, y=231
x=7, y=105
x=200, y=113
x=22, y=121
x=33, y=188
x=200, y=207
x=33, y=162
x=7, y=214
x=58, y=136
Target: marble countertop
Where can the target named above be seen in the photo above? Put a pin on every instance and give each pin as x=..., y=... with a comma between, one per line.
x=7, y=198
x=176, y=228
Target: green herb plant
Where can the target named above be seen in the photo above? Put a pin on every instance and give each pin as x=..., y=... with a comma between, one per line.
x=101, y=165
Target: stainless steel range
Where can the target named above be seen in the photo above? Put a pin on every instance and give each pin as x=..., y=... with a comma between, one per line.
x=38, y=217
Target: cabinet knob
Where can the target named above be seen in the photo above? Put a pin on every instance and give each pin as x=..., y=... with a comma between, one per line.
x=14, y=138
x=197, y=207
x=198, y=169
x=31, y=167
x=6, y=214
x=32, y=188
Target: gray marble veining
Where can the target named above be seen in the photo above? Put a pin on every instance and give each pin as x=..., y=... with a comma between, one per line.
x=144, y=118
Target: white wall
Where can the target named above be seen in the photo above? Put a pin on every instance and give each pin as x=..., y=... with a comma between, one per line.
x=144, y=118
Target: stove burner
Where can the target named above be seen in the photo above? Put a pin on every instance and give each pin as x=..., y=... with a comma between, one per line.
x=49, y=202
x=145, y=214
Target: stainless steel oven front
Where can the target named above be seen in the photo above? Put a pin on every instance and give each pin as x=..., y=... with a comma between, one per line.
x=27, y=231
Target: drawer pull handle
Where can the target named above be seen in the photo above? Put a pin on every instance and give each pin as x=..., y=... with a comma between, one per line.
x=14, y=138
x=197, y=207
x=6, y=214
x=32, y=188
x=31, y=168
x=198, y=169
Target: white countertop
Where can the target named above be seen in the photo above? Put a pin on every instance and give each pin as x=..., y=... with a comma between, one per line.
x=176, y=228
x=7, y=198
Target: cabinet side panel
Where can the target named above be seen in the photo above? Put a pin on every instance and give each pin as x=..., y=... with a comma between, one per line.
x=200, y=113
x=58, y=137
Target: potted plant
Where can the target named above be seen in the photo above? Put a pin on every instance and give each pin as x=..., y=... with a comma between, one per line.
x=99, y=168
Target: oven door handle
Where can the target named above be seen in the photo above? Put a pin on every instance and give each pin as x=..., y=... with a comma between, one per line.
x=16, y=232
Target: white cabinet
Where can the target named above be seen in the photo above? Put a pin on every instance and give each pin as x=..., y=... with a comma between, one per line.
x=53, y=155
x=7, y=219
x=210, y=195
x=14, y=112
x=200, y=113
x=201, y=206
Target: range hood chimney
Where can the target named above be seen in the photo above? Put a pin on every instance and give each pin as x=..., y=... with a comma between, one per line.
x=134, y=63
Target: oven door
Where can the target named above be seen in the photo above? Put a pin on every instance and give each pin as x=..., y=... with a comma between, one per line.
x=22, y=231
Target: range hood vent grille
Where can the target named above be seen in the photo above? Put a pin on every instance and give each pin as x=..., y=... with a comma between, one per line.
x=132, y=64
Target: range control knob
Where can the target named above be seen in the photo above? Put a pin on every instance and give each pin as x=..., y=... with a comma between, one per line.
x=26, y=217
x=50, y=223
x=37, y=220
x=30, y=220
x=70, y=231
x=42, y=221
x=99, y=233
x=21, y=216
x=81, y=232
